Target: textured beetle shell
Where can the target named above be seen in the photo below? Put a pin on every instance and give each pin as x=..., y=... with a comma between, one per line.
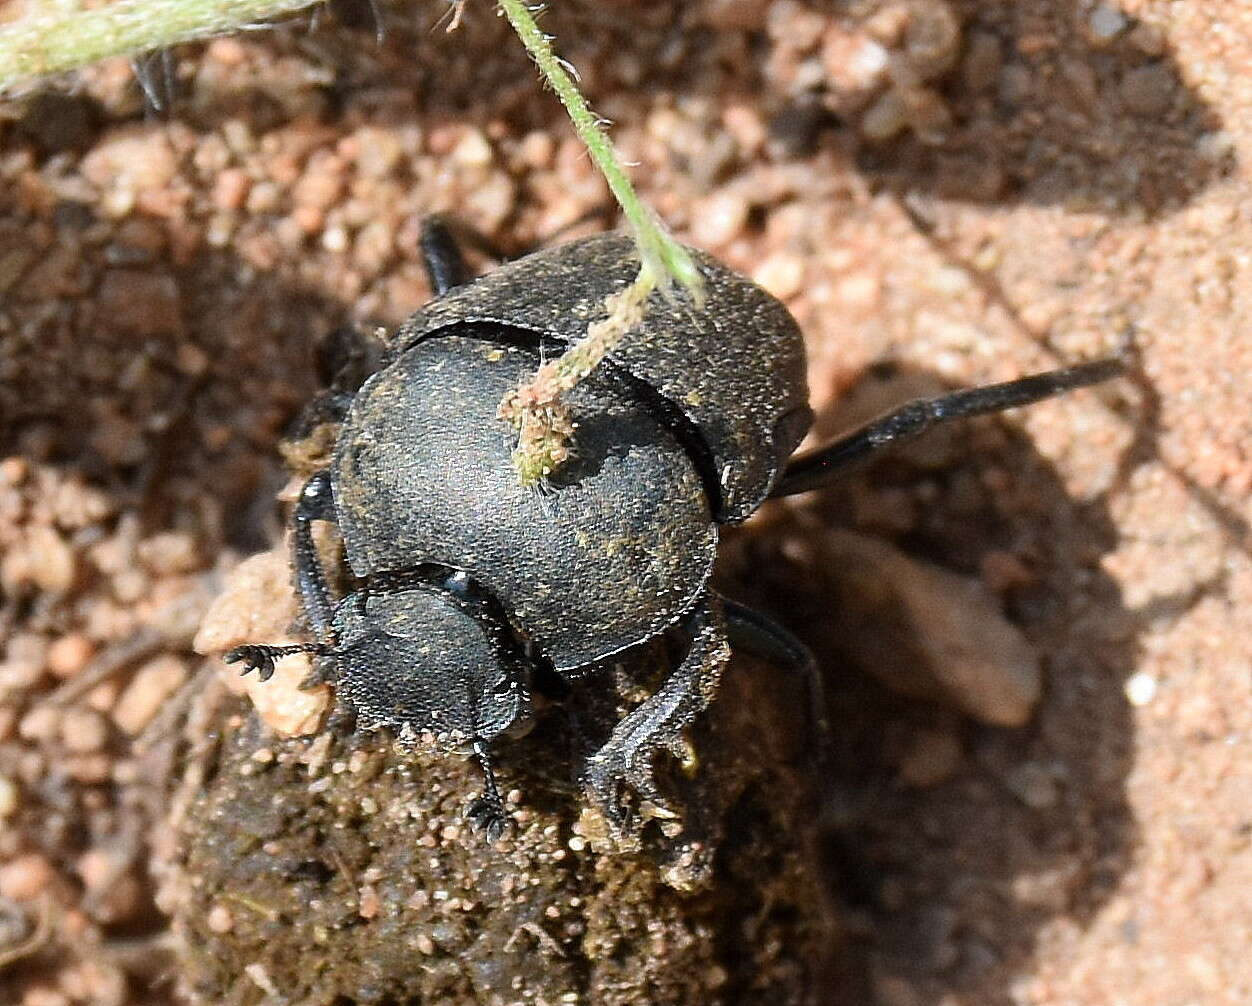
x=620, y=550
x=421, y=630
x=736, y=368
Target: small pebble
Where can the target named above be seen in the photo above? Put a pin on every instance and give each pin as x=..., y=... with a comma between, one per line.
x=885, y=118
x=169, y=552
x=719, y=218
x=51, y=561
x=25, y=877
x=537, y=149
x=957, y=647
x=24, y=661
x=853, y=63
x=491, y=201
x=230, y=189
x=1106, y=22
x=220, y=919
x=261, y=979
x=335, y=239
x=791, y=24
x=132, y=159
x=472, y=149
x=932, y=38
x=1149, y=39
x=14, y=470
x=860, y=291
x=90, y=769
x=97, y=868
x=782, y=274
x=321, y=185
x=98, y=982
x=1140, y=689
x=10, y=797
x=1034, y=785
x=152, y=684
x=83, y=731
x=42, y=724
x=69, y=654
x=369, y=902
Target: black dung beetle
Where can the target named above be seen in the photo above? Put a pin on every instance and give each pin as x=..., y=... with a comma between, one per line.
x=470, y=588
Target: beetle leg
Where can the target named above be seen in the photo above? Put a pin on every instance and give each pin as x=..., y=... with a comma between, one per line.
x=760, y=635
x=445, y=264
x=820, y=467
x=260, y=657
x=345, y=358
x=626, y=759
x=441, y=255
x=486, y=814
x=316, y=503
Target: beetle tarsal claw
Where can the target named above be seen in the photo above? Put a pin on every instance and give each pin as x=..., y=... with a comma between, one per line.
x=486, y=816
x=254, y=657
x=612, y=774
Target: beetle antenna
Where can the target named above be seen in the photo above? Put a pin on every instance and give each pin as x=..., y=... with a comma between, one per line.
x=486, y=814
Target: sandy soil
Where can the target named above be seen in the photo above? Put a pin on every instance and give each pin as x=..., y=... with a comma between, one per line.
x=944, y=193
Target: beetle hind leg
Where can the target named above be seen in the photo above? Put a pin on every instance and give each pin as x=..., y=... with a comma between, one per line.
x=758, y=634
x=820, y=467
x=626, y=761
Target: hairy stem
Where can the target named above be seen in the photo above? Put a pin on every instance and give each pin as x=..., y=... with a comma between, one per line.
x=56, y=36
x=661, y=254
x=544, y=424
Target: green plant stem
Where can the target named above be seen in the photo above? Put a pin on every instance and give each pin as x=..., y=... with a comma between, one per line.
x=57, y=36
x=544, y=424
x=661, y=254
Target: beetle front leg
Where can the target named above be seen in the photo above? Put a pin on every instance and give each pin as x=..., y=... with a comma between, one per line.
x=626, y=761
x=316, y=502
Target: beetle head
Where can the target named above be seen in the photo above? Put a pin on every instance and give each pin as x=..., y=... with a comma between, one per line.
x=415, y=660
